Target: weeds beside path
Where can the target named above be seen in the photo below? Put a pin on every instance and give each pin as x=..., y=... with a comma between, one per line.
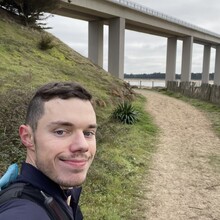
x=184, y=181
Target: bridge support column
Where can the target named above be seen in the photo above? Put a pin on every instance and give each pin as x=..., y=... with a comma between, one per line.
x=206, y=63
x=96, y=42
x=171, y=59
x=116, y=47
x=217, y=66
x=187, y=59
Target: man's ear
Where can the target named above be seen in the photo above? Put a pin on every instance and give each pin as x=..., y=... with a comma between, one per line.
x=27, y=136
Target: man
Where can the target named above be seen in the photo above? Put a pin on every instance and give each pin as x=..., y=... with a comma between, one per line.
x=59, y=135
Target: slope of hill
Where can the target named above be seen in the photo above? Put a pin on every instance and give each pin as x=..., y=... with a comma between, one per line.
x=123, y=151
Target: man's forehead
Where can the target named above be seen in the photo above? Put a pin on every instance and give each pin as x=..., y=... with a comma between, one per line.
x=75, y=102
x=69, y=106
x=60, y=100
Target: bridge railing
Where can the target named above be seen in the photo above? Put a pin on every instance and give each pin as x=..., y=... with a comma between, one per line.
x=158, y=14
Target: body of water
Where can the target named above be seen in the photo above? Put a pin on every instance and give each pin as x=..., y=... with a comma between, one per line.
x=150, y=83
x=146, y=82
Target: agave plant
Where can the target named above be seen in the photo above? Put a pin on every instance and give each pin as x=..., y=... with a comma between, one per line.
x=125, y=113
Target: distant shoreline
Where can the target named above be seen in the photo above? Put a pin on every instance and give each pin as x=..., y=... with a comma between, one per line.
x=150, y=83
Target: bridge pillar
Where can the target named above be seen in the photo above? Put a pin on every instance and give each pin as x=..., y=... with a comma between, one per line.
x=186, y=59
x=217, y=66
x=171, y=59
x=96, y=42
x=116, y=47
x=206, y=63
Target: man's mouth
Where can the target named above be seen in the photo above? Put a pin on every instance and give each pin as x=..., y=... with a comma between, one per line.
x=76, y=162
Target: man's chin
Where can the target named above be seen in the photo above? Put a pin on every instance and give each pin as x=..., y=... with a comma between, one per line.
x=68, y=183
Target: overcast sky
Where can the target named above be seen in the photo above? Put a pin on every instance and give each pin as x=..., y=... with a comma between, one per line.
x=147, y=53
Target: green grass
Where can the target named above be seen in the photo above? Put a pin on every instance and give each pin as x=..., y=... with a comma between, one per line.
x=113, y=187
x=214, y=160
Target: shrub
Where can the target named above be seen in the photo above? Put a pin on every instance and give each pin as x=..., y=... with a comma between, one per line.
x=46, y=42
x=125, y=113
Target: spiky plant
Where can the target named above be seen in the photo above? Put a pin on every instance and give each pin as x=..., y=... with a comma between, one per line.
x=125, y=113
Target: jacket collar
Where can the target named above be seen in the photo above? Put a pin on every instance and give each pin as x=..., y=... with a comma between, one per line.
x=35, y=177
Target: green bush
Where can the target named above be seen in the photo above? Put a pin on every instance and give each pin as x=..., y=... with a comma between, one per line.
x=125, y=113
x=46, y=42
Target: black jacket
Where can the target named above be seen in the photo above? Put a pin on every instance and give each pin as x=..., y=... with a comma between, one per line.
x=21, y=209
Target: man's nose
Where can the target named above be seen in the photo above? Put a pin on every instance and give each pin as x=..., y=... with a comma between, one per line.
x=79, y=142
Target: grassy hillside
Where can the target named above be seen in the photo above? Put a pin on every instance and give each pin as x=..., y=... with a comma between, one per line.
x=123, y=151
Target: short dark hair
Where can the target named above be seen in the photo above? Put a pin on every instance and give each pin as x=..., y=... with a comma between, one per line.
x=62, y=90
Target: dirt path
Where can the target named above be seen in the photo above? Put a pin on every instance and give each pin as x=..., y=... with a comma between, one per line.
x=183, y=183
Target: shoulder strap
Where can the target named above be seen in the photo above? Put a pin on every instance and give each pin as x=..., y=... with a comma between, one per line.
x=11, y=192
x=27, y=191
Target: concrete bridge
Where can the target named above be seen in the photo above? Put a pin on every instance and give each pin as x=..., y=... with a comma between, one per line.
x=124, y=14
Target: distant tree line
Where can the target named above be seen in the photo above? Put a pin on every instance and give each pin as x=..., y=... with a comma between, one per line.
x=194, y=76
x=29, y=11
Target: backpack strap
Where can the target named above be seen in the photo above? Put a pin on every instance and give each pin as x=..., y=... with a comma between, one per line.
x=27, y=191
x=11, y=192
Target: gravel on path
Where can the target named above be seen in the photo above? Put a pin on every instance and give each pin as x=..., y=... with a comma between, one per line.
x=183, y=183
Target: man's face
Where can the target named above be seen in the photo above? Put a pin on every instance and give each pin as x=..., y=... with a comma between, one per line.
x=64, y=141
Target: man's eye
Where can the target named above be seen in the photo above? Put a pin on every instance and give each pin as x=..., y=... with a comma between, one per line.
x=60, y=132
x=89, y=133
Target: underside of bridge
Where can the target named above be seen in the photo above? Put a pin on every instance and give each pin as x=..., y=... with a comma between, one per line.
x=119, y=18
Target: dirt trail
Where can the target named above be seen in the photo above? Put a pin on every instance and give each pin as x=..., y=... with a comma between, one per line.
x=183, y=183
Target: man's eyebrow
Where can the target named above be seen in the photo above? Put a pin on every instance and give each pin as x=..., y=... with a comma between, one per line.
x=63, y=123
x=93, y=126
x=69, y=124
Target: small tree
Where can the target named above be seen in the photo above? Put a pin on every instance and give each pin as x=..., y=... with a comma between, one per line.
x=29, y=11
